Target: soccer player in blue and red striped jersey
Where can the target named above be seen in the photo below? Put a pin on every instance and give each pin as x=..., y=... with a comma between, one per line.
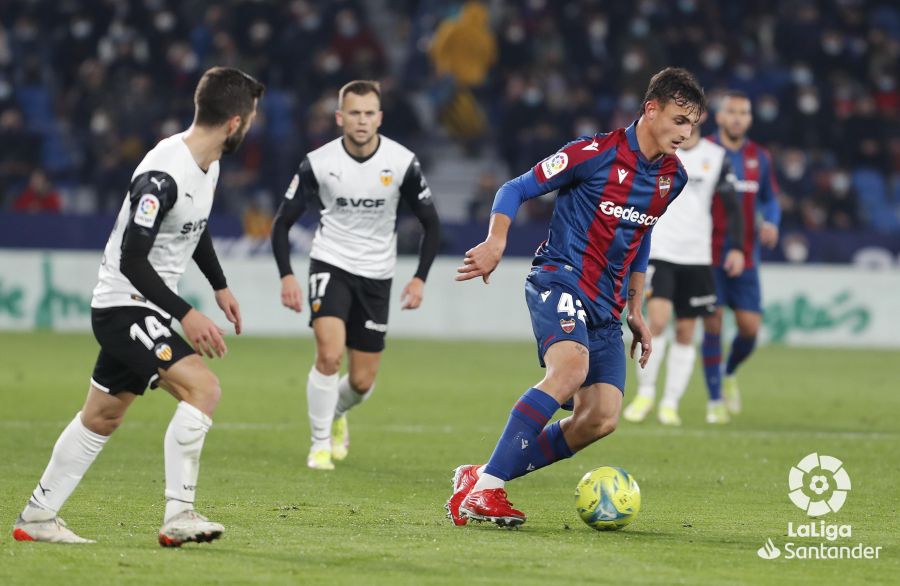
x=758, y=193
x=612, y=189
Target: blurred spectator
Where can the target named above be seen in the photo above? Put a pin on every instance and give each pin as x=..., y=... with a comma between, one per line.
x=464, y=47
x=463, y=50
x=479, y=208
x=20, y=153
x=257, y=218
x=356, y=47
x=87, y=87
x=39, y=196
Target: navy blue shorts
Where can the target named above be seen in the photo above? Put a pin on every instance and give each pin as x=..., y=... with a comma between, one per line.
x=741, y=292
x=557, y=313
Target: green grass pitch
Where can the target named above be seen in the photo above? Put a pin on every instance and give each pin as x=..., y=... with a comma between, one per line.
x=711, y=495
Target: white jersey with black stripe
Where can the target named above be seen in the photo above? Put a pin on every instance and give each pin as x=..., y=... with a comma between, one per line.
x=167, y=184
x=684, y=234
x=359, y=200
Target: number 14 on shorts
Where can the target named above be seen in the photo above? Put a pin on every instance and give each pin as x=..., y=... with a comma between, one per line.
x=154, y=331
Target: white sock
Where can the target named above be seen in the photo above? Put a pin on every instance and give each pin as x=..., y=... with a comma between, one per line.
x=679, y=367
x=182, y=447
x=74, y=452
x=646, y=377
x=487, y=482
x=348, y=398
x=322, y=398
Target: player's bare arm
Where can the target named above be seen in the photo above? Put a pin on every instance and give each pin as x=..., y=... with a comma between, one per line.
x=413, y=293
x=734, y=263
x=291, y=293
x=482, y=260
x=227, y=302
x=635, y=320
x=768, y=234
x=203, y=334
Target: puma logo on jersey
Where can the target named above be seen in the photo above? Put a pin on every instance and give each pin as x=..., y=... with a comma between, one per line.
x=158, y=183
x=622, y=175
x=335, y=175
x=594, y=146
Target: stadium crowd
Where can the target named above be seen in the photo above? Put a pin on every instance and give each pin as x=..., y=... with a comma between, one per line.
x=87, y=87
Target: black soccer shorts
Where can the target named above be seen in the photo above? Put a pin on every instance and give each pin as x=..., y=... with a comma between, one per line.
x=135, y=342
x=690, y=288
x=361, y=303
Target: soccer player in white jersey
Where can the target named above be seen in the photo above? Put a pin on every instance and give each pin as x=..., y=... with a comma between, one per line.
x=357, y=182
x=162, y=225
x=680, y=278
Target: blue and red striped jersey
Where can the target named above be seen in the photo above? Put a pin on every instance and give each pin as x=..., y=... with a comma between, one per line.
x=758, y=192
x=610, y=196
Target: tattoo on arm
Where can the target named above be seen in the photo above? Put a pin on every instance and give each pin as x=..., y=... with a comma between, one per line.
x=631, y=293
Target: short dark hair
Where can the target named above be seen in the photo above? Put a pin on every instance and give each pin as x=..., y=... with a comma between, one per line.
x=738, y=94
x=360, y=87
x=224, y=92
x=675, y=84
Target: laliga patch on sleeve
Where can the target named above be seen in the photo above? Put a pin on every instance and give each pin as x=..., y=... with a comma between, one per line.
x=292, y=188
x=147, y=210
x=554, y=164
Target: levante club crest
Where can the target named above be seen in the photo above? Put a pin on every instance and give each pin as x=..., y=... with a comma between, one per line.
x=665, y=183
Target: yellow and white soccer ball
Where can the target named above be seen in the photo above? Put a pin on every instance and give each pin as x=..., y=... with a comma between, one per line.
x=607, y=498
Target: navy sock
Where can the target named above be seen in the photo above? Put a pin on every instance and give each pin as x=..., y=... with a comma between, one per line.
x=712, y=365
x=741, y=348
x=526, y=421
x=550, y=447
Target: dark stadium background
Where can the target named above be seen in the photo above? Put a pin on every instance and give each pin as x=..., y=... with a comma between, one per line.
x=480, y=91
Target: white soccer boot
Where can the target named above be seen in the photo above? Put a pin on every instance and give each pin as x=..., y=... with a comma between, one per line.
x=50, y=531
x=188, y=526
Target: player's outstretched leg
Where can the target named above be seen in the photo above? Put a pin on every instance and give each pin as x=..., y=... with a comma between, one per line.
x=76, y=449
x=487, y=501
x=198, y=392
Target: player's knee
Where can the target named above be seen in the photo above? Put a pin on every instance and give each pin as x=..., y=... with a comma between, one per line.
x=361, y=382
x=567, y=379
x=102, y=423
x=206, y=389
x=328, y=362
x=684, y=335
x=600, y=427
x=592, y=425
